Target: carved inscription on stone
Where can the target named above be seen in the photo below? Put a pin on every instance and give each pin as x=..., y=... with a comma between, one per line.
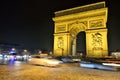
x=96, y=23
x=97, y=41
x=61, y=28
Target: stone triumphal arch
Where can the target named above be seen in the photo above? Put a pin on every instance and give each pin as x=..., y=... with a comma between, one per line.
x=89, y=18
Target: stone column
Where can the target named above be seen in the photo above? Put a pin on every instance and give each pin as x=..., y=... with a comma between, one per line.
x=74, y=47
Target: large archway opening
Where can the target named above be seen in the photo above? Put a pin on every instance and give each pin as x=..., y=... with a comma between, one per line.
x=81, y=43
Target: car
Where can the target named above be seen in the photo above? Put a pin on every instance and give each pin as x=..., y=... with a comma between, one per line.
x=67, y=60
x=44, y=61
x=93, y=65
x=76, y=59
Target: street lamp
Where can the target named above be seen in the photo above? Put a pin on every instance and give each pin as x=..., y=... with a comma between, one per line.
x=25, y=52
x=13, y=49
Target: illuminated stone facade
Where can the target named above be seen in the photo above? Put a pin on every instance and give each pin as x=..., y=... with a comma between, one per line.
x=89, y=18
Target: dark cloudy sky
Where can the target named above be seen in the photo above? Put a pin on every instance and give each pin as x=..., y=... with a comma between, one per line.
x=29, y=22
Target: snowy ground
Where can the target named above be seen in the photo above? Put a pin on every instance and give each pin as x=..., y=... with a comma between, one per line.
x=24, y=71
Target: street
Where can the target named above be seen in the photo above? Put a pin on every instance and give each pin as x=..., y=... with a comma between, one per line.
x=67, y=71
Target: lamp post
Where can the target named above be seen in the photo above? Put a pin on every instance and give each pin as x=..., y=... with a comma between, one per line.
x=25, y=52
x=13, y=49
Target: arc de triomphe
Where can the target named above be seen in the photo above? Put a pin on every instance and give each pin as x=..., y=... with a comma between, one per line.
x=91, y=19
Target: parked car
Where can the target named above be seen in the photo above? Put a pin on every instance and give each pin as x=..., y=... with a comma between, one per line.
x=37, y=60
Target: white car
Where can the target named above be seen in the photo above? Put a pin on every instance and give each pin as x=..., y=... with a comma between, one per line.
x=37, y=60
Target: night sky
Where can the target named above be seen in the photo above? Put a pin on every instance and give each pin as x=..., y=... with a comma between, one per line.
x=29, y=22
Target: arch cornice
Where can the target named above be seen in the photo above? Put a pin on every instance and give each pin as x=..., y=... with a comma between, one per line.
x=82, y=15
